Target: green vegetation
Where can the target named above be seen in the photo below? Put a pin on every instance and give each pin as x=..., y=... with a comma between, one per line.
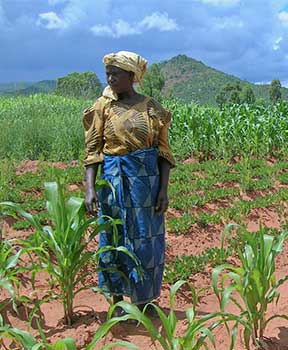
x=9, y=271
x=26, y=341
x=193, y=81
x=275, y=91
x=79, y=85
x=198, y=334
x=153, y=82
x=238, y=166
x=27, y=88
x=65, y=240
x=234, y=94
x=237, y=130
x=50, y=128
x=180, y=77
x=254, y=281
x=41, y=127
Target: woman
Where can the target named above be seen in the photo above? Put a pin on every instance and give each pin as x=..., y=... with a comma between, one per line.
x=128, y=134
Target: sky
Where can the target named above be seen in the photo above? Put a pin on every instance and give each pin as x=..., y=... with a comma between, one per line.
x=48, y=39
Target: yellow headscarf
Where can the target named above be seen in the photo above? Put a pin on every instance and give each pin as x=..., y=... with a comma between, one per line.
x=129, y=61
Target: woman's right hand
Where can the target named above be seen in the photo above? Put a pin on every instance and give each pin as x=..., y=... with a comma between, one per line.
x=91, y=201
x=91, y=198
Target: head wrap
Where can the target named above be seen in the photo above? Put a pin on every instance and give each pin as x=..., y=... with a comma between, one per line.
x=126, y=60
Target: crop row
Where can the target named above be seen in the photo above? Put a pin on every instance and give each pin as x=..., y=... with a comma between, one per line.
x=49, y=127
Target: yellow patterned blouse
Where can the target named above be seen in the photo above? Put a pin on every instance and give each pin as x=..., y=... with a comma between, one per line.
x=115, y=128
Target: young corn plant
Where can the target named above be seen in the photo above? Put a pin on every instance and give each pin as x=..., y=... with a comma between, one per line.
x=25, y=341
x=9, y=271
x=199, y=331
x=62, y=247
x=252, y=286
x=22, y=340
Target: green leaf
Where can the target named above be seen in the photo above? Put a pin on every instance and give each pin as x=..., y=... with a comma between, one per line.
x=6, y=284
x=32, y=220
x=65, y=344
x=12, y=260
x=174, y=290
x=226, y=296
x=190, y=313
x=25, y=338
x=125, y=344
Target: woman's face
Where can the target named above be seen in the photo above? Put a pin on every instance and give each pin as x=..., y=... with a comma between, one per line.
x=119, y=79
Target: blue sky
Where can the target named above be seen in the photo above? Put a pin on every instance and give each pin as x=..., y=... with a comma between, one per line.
x=46, y=39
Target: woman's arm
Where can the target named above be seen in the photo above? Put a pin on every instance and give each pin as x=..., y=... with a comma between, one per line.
x=162, y=199
x=91, y=198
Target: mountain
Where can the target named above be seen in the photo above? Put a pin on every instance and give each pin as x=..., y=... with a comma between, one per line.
x=192, y=80
x=27, y=88
x=185, y=78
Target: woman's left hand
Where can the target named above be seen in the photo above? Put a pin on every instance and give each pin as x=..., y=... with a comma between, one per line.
x=162, y=202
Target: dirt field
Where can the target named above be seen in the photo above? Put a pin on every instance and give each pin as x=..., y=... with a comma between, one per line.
x=91, y=307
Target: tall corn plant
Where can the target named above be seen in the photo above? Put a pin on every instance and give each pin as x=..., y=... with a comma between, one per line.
x=62, y=247
x=252, y=286
x=199, y=331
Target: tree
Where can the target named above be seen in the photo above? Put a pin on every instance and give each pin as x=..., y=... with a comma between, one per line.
x=229, y=94
x=153, y=82
x=248, y=95
x=275, y=91
x=234, y=97
x=221, y=99
x=79, y=85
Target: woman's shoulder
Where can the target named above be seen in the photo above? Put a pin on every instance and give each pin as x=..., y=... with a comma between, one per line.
x=155, y=108
x=98, y=104
x=96, y=109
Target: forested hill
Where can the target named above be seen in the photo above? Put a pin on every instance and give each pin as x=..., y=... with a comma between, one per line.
x=27, y=88
x=189, y=80
x=185, y=78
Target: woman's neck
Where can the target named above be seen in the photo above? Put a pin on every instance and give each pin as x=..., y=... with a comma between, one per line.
x=127, y=95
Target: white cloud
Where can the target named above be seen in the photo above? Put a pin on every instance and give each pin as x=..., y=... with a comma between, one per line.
x=100, y=30
x=120, y=28
x=229, y=22
x=123, y=28
x=159, y=21
x=51, y=20
x=221, y=2
x=276, y=45
x=283, y=17
x=75, y=13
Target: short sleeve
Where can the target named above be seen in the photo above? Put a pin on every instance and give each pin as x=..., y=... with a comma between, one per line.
x=93, y=123
x=163, y=141
x=163, y=118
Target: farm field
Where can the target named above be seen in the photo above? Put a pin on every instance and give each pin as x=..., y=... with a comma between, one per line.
x=236, y=182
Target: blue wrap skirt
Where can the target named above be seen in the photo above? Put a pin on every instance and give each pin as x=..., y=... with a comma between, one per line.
x=135, y=178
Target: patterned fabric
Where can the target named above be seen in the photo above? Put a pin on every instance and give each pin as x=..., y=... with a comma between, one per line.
x=114, y=128
x=135, y=177
x=129, y=61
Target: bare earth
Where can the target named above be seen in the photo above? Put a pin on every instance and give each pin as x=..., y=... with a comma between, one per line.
x=91, y=307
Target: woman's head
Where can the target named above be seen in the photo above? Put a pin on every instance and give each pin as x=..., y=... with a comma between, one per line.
x=122, y=70
x=119, y=79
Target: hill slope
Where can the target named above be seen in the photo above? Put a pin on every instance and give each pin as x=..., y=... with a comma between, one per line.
x=192, y=80
x=27, y=88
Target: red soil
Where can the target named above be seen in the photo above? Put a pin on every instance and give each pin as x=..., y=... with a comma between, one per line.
x=91, y=307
